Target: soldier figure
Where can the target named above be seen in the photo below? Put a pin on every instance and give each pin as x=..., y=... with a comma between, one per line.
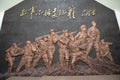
x=63, y=49
x=52, y=39
x=37, y=54
x=83, y=34
x=27, y=57
x=105, y=51
x=77, y=52
x=42, y=49
x=94, y=35
x=11, y=54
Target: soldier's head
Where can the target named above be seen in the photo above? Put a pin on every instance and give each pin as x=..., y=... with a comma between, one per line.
x=66, y=33
x=14, y=45
x=72, y=38
x=28, y=42
x=93, y=23
x=34, y=43
x=83, y=27
x=45, y=38
x=52, y=32
x=38, y=39
x=102, y=41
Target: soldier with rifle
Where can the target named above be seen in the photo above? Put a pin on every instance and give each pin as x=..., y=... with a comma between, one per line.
x=27, y=57
x=94, y=37
x=82, y=37
x=77, y=52
x=52, y=39
x=63, y=50
x=83, y=34
x=11, y=54
x=42, y=50
x=104, y=50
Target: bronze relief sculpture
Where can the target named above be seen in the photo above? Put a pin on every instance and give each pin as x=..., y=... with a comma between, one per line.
x=71, y=50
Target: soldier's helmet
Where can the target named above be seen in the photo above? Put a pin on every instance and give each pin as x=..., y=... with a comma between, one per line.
x=14, y=44
x=28, y=42
x=65, y=31
x=52, y=30
x=45, y=37
x=93, y=21
x=102, y=40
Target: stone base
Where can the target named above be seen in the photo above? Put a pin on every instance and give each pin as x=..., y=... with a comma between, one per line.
x=95, y=77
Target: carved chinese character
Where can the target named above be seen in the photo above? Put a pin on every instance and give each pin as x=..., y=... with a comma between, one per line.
x=88, y=12
x=47, y=12
x=54, y=13
x=71, y=12
x=62, y=12
x=32, y=11
x=23, y=12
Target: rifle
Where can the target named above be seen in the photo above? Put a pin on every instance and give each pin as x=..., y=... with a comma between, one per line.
x=55, y=32
x=109, y=43
x=19, y=44
x=48, y=34
x=58, y=32
x=72, y=32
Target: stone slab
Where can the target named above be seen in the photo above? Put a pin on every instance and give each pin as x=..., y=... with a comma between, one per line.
x=94, y=77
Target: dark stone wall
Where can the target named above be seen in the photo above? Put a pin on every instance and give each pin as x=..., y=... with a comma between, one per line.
x=20, y=29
